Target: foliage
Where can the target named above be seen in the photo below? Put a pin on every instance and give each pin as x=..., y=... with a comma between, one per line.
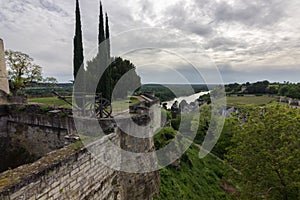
x=266, y=151
x=201, y=126
x=167, y=114
x=163, y=137
x=50, y=81
x=290, y=90
x=78, y=57
x=119, y=67
x=224, y=141
x=196, y=179
x=21, y=70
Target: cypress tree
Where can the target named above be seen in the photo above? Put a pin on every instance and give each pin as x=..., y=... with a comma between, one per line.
x=78, y=46
x=101, y=56
x=101, y=36
x=108, y=76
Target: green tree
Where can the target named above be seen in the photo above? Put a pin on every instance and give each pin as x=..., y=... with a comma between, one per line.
x=107, y=89
x=266, y=152
x=21, y=70
x=51, y=81
x=101, y=35
x=78, y=58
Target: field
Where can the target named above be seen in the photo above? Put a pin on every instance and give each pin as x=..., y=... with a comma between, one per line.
x=120, y=105
x=249, y=100
x=51, y=101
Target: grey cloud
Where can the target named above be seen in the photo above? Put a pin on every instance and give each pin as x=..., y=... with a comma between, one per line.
x=224, y=44
x=187, y=18
x=199, y=29
x=52, y=7
x=250, y=13
x=146, y=8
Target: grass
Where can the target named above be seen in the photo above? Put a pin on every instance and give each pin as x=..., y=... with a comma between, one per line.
x=249, y=100
x=51, y=101
x=122, y=105
x=55, y=102
x=196, y=179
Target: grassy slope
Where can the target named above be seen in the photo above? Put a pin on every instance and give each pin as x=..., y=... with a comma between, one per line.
x=196, y=181
x=249, y=100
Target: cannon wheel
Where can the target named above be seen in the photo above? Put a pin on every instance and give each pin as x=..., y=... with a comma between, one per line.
x=102, y=108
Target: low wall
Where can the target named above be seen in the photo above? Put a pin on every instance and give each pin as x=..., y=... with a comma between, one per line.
x=3, y=120
x=28, y=132
x=72, y=172
x=63, y=174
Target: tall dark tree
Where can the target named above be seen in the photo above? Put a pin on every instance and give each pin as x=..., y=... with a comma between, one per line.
x=78, y=45
x=107, y=35
x=102, y=58
x=107, y=80
x=101, y=36
x=113, y=71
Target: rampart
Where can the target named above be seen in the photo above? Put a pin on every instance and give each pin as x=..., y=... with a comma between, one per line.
x=72, y=171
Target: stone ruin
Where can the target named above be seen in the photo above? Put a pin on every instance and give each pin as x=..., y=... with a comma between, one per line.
x=4, y=86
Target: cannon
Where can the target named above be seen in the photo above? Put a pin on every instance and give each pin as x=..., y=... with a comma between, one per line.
x=95, y=105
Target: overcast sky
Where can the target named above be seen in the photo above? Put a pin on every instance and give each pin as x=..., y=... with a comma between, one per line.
x=247, y=40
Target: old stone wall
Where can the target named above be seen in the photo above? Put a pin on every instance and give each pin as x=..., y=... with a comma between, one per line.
x=39, y=133
x=138, y=138
x=3, y=73
x=72, y=172
x=27, y=135
x=3, y=120
x=63, y=174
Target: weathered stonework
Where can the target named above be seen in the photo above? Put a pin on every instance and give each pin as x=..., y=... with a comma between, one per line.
x=72, y=172
x=63, y=174
x=3, y=73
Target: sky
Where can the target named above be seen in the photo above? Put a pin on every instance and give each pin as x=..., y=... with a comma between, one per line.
x=174, y=41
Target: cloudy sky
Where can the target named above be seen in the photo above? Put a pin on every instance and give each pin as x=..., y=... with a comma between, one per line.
x=246, y=40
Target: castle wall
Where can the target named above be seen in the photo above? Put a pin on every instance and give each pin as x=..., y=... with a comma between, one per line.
x=72, y=172
x=3, y=73
x=62, y=174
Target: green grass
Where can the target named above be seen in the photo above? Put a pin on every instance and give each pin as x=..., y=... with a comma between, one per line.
x=196, y=179
x=51, y=101
x=55, y=102
x=123, y=104
x=249, y=100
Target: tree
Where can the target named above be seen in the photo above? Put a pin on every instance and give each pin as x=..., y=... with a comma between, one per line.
x=21, y=70
x=78, y=45
x=107, y=89
x=101, y=35
x=266, y=152
x=50, y=81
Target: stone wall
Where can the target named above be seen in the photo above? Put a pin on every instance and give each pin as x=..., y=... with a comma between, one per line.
x=27, y=135
x=73, y=172
x=3, y=73
x=39, y=133
x=139, y=139
x=63, y=174
x=3, y=120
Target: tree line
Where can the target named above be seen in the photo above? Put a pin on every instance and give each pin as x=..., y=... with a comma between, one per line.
x=287, y=89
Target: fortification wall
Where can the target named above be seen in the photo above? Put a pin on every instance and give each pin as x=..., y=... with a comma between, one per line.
x=3, y=73
x=62, y=174
x=39, y=133
x=74, y=173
